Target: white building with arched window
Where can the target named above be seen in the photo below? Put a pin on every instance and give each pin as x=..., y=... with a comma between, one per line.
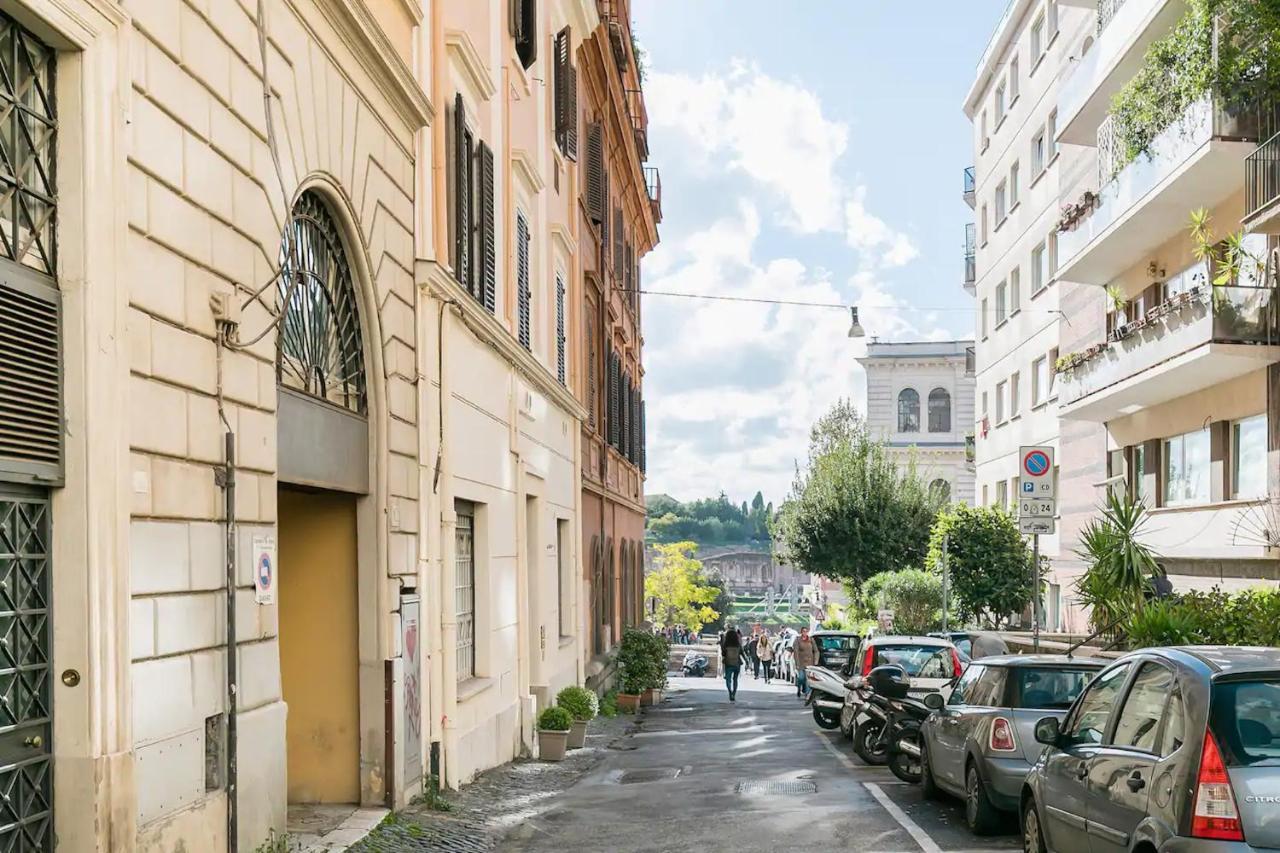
x=920, y=398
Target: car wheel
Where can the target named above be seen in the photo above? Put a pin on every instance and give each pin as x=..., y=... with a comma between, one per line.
x=1032, y=836
x=927, y=786
x=979, y=814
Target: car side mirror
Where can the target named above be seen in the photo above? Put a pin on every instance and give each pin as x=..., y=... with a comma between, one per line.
x=1048, y=731
x=934, y=701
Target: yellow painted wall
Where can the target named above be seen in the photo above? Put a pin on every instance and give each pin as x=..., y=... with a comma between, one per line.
x=319, y=645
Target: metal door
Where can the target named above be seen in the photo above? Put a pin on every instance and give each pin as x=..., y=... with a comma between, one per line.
x=26, y=718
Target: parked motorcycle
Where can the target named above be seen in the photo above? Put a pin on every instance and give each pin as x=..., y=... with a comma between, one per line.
x=826, y=695
x=890, y=730
x=694, y=665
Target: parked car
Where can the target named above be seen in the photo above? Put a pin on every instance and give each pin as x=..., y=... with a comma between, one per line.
x=930, y=662
x=980, y=742
x=987, y=642
x=836, y=648
x=1167, y=749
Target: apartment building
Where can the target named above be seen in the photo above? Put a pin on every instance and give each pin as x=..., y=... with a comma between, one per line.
x=291, y=407
x=621, y=206
x=920, y=401
x=1013, y=268
x=1172, y=360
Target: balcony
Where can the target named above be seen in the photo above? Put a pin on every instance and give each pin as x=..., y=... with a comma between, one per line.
x=1191, y=341
x=616, y=15
x=970, y=262
x=1126, y=28
x=639, y=116
x=1262, y=188
x=1195, y=163
x=970, y=186
x=653, y=186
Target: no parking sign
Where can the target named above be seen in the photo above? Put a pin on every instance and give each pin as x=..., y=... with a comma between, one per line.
x=264, y=569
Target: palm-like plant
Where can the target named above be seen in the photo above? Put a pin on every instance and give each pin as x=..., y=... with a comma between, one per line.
x=1120, y=565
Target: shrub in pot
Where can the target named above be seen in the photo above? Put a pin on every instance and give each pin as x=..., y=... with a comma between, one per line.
x=659, y=652
x=635, y=668
x=553, y=733
x=582, y=705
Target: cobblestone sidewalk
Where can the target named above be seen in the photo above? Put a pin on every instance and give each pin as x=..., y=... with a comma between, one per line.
x=495, y=802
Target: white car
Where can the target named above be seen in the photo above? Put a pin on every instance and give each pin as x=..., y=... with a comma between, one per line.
x=932, y=663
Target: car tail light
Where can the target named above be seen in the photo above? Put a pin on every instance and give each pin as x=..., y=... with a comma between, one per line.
x=1215, y=814
x=955, y=663
x=1002, y=736
x=868, y=662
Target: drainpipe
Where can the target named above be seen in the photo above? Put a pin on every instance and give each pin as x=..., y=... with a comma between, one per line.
x=227, y=480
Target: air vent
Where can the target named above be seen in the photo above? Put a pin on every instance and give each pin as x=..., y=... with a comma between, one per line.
x=30, y=398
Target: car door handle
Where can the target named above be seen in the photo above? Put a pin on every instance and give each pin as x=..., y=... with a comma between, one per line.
x=1136, y=782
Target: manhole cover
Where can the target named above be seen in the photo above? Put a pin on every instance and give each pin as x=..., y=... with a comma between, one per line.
x=648, y=774
x=762, y=788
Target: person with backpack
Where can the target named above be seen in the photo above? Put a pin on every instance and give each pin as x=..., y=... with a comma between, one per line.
x=731, y=660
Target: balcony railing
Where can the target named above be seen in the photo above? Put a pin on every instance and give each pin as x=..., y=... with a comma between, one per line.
x=639, y=121
x=970, y=186
x=1262, y=177
x=616, y=15
x=653, y=185
x=1107, y=10
x=970, y=253
x=1192, y=340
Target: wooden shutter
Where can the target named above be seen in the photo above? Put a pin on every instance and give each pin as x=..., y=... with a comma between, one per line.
x=624, y=423
x=596, y=203
x=561, y=367
x=617, y=244
x=643, y=453
x=635, y=427
x=30, y=379
x=488, y=280
x=524, y=29
x=628, y=269
x=523, y=295
x=591, y=369
x=462, y=194
x=613, y=400
x=566, y=96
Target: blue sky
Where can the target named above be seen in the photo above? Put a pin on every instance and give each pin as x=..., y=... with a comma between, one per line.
x=810, y=150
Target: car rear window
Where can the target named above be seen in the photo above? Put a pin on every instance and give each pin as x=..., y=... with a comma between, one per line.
x=918, y=661
x=836, y=643
x=1050, y=688
x=1245, y=716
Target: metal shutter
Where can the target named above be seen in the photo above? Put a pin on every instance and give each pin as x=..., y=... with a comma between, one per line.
x=30, y=378
x=522, y=282
x=461, y=194
x=561, y=371
x=596, y=202
x=566, y=96
x=487, y=286
x=591, y=371
x=643, y=451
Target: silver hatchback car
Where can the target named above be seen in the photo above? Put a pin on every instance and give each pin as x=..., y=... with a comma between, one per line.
x=1168, y=750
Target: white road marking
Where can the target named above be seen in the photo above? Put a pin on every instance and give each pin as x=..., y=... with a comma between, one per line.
x=927, y=844
x=845, y=759
x=741, y=730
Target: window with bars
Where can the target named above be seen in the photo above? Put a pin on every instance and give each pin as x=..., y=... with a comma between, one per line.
x=524, y=295
x=464, y=590
x=561, y=366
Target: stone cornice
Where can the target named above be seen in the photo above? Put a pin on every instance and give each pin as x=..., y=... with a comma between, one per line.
x=363, y=35
x=440, y=284
x=562, y=236
x=471, y=63
x=524, y=167
x=414, y=9
x=583, y=17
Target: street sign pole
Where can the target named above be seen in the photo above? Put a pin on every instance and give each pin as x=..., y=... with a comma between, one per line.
x=1035, y=592
x=946, y=547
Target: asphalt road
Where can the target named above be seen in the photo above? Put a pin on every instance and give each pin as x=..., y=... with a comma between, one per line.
x=758, y=775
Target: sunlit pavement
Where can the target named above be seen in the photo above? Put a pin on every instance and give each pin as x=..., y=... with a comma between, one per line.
x=699, y=774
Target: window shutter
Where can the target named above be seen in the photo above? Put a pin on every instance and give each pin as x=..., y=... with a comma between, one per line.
x=635, y=427
x=522, y=282
x=561, y=370
x=524, y=28
x=624, y=443
x=596, y=203
x=571, y=129
x=30, y=379
x=591, y=372
x=488, y=285
x=617, y=244
x=462, y=194
x=643, y=452
x=627, y=271
x=613, y=400
x=566, y=96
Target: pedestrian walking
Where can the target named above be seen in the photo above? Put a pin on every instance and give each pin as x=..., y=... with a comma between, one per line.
x=804, y=653
x=764, y=654
x=731, y=659
x=753, y=656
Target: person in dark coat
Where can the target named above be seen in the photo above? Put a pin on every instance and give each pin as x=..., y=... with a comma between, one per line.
x=731, y=659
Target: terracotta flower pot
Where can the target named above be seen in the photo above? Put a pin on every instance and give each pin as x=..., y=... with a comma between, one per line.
x=578, y=734
x=652, y=696
x=629, y=702
x=552, y=745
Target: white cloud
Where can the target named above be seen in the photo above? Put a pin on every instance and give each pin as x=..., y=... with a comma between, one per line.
x=869, y=234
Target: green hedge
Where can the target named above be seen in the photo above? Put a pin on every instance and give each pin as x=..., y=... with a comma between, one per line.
x=1215, y=617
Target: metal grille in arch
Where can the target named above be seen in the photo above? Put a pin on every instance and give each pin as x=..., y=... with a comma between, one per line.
x=320, y=351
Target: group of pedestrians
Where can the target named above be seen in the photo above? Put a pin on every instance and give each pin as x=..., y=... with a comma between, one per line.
x=759, y=650
x=680, y=636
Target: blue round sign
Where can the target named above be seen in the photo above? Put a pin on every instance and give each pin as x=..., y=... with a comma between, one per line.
x=264, y=571
x=1036, y=463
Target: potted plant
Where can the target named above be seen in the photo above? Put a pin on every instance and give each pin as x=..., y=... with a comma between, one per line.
x=553, y=733
x=583, y=706
x=659, y=653
x=635, y=667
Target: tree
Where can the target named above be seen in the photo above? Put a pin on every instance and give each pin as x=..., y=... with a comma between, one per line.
x=914, y=596
x=988, y=562
x=680, y=591
x=853, y=511
x=1121, y=567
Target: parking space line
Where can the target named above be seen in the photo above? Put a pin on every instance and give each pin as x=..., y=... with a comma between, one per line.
x=927, y=844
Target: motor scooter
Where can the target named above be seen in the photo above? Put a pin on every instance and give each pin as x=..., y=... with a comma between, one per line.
x=826, y=695
x=694, y=665
x=888, y=729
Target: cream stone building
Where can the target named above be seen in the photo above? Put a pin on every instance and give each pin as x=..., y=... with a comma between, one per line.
x=287, y=292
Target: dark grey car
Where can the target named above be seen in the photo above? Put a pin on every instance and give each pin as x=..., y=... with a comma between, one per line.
x=1174, y=750
x=980, y=744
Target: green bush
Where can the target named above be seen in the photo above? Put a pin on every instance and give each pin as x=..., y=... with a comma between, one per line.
x=636, y=667
x=554, y=719
x=659, y=652
x=1214, y=617
x=578, y=701
x=914, y=596
x=609, y=705
x=1163, y=623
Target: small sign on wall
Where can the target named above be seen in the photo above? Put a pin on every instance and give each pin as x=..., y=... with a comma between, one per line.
x=264, y=569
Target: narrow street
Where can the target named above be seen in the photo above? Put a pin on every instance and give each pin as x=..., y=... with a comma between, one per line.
x=702, y=774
